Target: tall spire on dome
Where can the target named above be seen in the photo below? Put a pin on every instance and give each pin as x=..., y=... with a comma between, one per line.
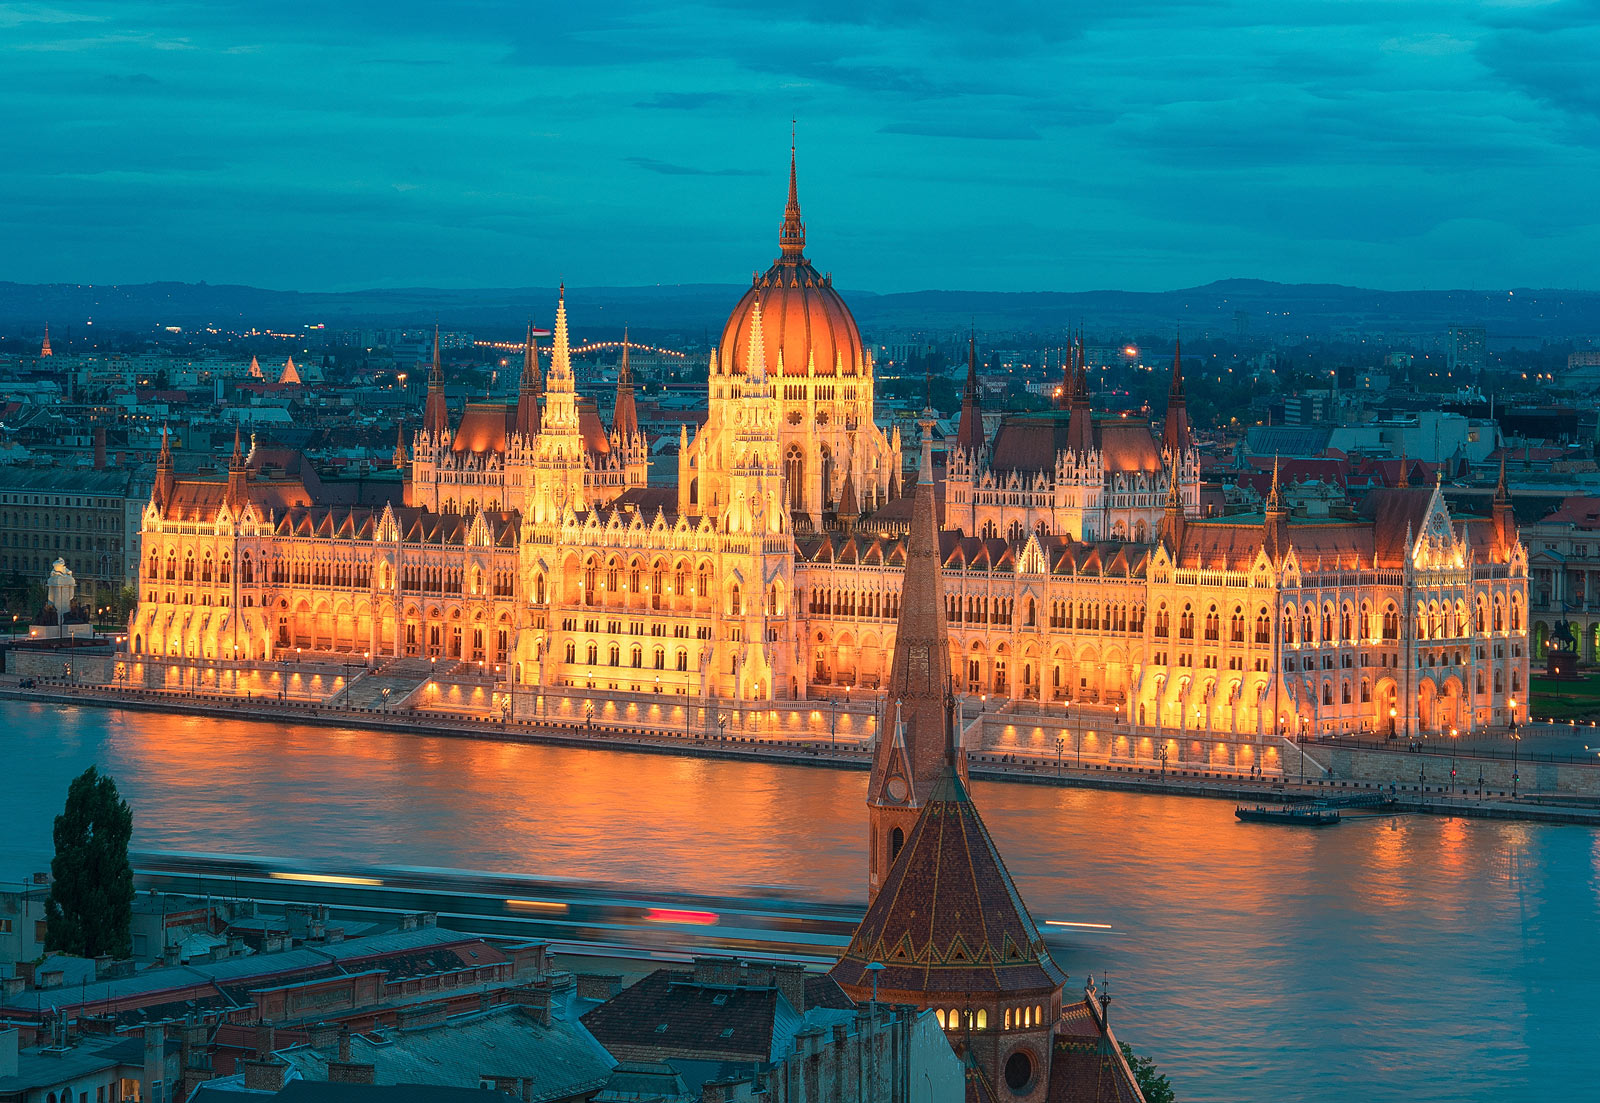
x=527, y=423
x=792, y=235
x=435, y=413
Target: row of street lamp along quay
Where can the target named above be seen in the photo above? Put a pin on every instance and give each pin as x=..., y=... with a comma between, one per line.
x=1062, y=734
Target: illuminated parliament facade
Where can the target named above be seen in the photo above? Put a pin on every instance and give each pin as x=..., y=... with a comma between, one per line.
x=1076, y=569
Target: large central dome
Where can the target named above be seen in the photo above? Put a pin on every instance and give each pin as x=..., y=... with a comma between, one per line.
x=802, y=316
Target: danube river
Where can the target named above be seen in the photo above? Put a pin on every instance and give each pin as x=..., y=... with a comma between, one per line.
x=1407, y=958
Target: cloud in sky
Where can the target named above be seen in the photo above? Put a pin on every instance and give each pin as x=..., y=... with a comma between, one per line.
x=1152, y=144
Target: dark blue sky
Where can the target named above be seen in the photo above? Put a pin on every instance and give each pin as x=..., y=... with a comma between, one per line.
x=1140, y=144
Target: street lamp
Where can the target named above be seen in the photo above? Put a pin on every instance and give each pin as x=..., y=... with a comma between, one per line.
x=1516, y=744
x=1452, y=762
x=1392, y=715
x=1163, y=760
x=1059, y=743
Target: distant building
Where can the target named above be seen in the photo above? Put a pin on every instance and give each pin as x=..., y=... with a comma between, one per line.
x=91, y=519
x=1467, y=351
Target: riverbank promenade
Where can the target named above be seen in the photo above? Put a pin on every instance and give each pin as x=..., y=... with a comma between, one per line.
x=1491, y=775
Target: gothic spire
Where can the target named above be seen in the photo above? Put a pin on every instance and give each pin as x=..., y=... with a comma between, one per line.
x=1175, y=434
x=969, y=435
x=44, y=349
x=561, y=351
x=792, y=234
x=399, y=457
x=527, y=424
x=435, y=413
x=625, y=416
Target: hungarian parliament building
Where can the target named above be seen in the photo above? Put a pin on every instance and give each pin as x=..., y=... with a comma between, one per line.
x=1076, y=569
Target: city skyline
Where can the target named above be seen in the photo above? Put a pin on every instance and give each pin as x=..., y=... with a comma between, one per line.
x=1159, y=147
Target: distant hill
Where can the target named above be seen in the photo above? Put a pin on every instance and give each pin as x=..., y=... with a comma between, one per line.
x=693, y=310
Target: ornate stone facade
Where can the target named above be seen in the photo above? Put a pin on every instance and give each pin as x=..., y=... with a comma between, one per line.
x=525, y=537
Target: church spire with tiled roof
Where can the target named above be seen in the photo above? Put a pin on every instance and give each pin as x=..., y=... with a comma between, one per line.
x=918, y=691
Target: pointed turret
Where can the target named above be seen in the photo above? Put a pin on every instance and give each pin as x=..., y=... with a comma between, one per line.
x=527, y=424
x=291, y=374
x=435, y=414
x=1505, y=522
x=792, y=234
x=1080, y=427
x=755, y=352
x=919, y=688
x=1175, y=435
x=561, y=349
x=969, y=436
x=1173, y=520
x=238, y=474
x=399, y=457
x=625, y=416
x=1275, y=522
x=44, y=349
x=165, y=479
x=1405, y=472
x=255, y=368
x=849, y=505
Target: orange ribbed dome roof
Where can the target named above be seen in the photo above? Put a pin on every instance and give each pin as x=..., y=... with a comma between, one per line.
x=802, y=316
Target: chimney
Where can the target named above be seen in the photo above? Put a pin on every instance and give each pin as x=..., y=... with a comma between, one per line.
x=266, y=1040
x=789, y=978
x=323, y=1035
x=351, y=1072
x=333, y=934
x=343, y=1038
x=535, y=999
x=170, y=954
x=263, y=1076
x=598, y=986
x=99, y=447
x=102, y=966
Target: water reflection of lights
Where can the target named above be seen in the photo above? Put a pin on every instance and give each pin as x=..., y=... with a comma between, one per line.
x=676, y=915
x=325, y=878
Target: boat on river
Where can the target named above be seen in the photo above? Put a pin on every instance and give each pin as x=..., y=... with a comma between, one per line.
x=1300, y=815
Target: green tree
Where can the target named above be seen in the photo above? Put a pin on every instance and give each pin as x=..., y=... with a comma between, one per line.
x=90, y=906
x=1155, y=1087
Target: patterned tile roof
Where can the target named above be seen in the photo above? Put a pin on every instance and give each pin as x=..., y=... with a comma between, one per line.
x=949, y=919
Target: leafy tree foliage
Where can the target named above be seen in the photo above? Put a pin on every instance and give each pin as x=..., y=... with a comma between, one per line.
x=90, y=906
x=1155, y=1087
